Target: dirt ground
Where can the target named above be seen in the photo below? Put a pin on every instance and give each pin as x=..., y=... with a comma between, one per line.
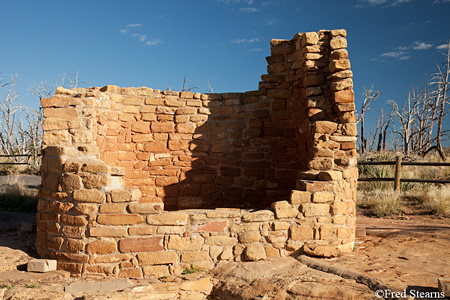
x=409, y=252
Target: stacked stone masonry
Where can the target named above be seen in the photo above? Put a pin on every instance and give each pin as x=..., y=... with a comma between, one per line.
x=140, y=183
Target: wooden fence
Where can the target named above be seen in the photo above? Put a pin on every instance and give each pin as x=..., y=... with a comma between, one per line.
x=28, y=156
x=398, y=163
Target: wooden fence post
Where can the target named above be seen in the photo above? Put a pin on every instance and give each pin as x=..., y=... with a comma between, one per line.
x=398, y=173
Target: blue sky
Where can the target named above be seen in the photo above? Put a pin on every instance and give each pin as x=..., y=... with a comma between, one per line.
x=393, y=44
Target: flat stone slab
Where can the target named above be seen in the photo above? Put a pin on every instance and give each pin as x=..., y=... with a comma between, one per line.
x=41, y=265
x=444, y=286
x=81, y=287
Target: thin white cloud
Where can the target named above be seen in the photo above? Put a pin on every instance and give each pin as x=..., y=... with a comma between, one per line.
x=128, y=26
x=245, y=41
x=255, y=50
x=440, y=1
x=271, y=22
x=153, y=42
x=399, y=55
x=143, y=38
x=404, y=52
x=248, y=9
x=442, y=47
x=421, y=46
x=384, y=3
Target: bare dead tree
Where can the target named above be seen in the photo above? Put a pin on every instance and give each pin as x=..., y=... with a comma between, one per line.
x=210, y=89
x=369, y=95
x=69, y=81
x=188, y=85
x=10, y=141
x=407, y=118
x=383, y=123
x=441, y=81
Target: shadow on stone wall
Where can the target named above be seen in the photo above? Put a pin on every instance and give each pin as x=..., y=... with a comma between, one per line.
x=243, y=156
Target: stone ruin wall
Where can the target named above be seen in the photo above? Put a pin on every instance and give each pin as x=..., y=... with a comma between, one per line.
x=139, y=182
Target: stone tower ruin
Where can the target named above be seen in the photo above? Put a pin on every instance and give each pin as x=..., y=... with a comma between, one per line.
x=139, y=182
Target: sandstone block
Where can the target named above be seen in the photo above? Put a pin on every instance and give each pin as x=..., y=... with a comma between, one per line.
x=168, y=218
x=94, y=181
x=146, y=208
x=341, y=75
x=350, y=129
x=301, y=233
x=120, y=219
x=313, y=80
x=108, y=231
x=163, y=127
x=59, y=101
x=444, y=286
x=323, y=163
x=69, y=113
x=329, y=175
x=103, y=246
x=220, y=146
x=95, y=196
x=70, y=182
x=184, y=243
x=140, y=127
x=345, y=96
x=284, y=210
x=309, y=38
x=214, y=226
x=322, y=197
x=339, y=65
x=345, y=107
x=203, y=284
x=41, y=265
x=130, y=273
x=149, y=244
x=327, y=232
x=220, y=240
x=339, y=208
x=343, y=84
x=156, y=272
x=192, y=256
x=338, y=43
x=75, y=245
x=258, y=216
x=299, y=197
x=120, y=195
x=321, y=250
x=73, y=220
x=157, y=258
x=55, y=137
x=338, y=32
x=315, y=210
x=108, y=208
x=325, y=127
x=85, y=209
x=254, y=252
x=249, y=237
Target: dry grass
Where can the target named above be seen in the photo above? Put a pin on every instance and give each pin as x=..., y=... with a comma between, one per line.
x=379, y=199
x=14, y=197
x=380, y=203
x=437, y=200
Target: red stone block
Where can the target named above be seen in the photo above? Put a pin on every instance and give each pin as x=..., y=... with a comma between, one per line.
x=141, y=244
x=216, y=226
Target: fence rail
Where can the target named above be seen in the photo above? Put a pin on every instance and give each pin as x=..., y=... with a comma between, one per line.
x=18, y=155
x=398, y=163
